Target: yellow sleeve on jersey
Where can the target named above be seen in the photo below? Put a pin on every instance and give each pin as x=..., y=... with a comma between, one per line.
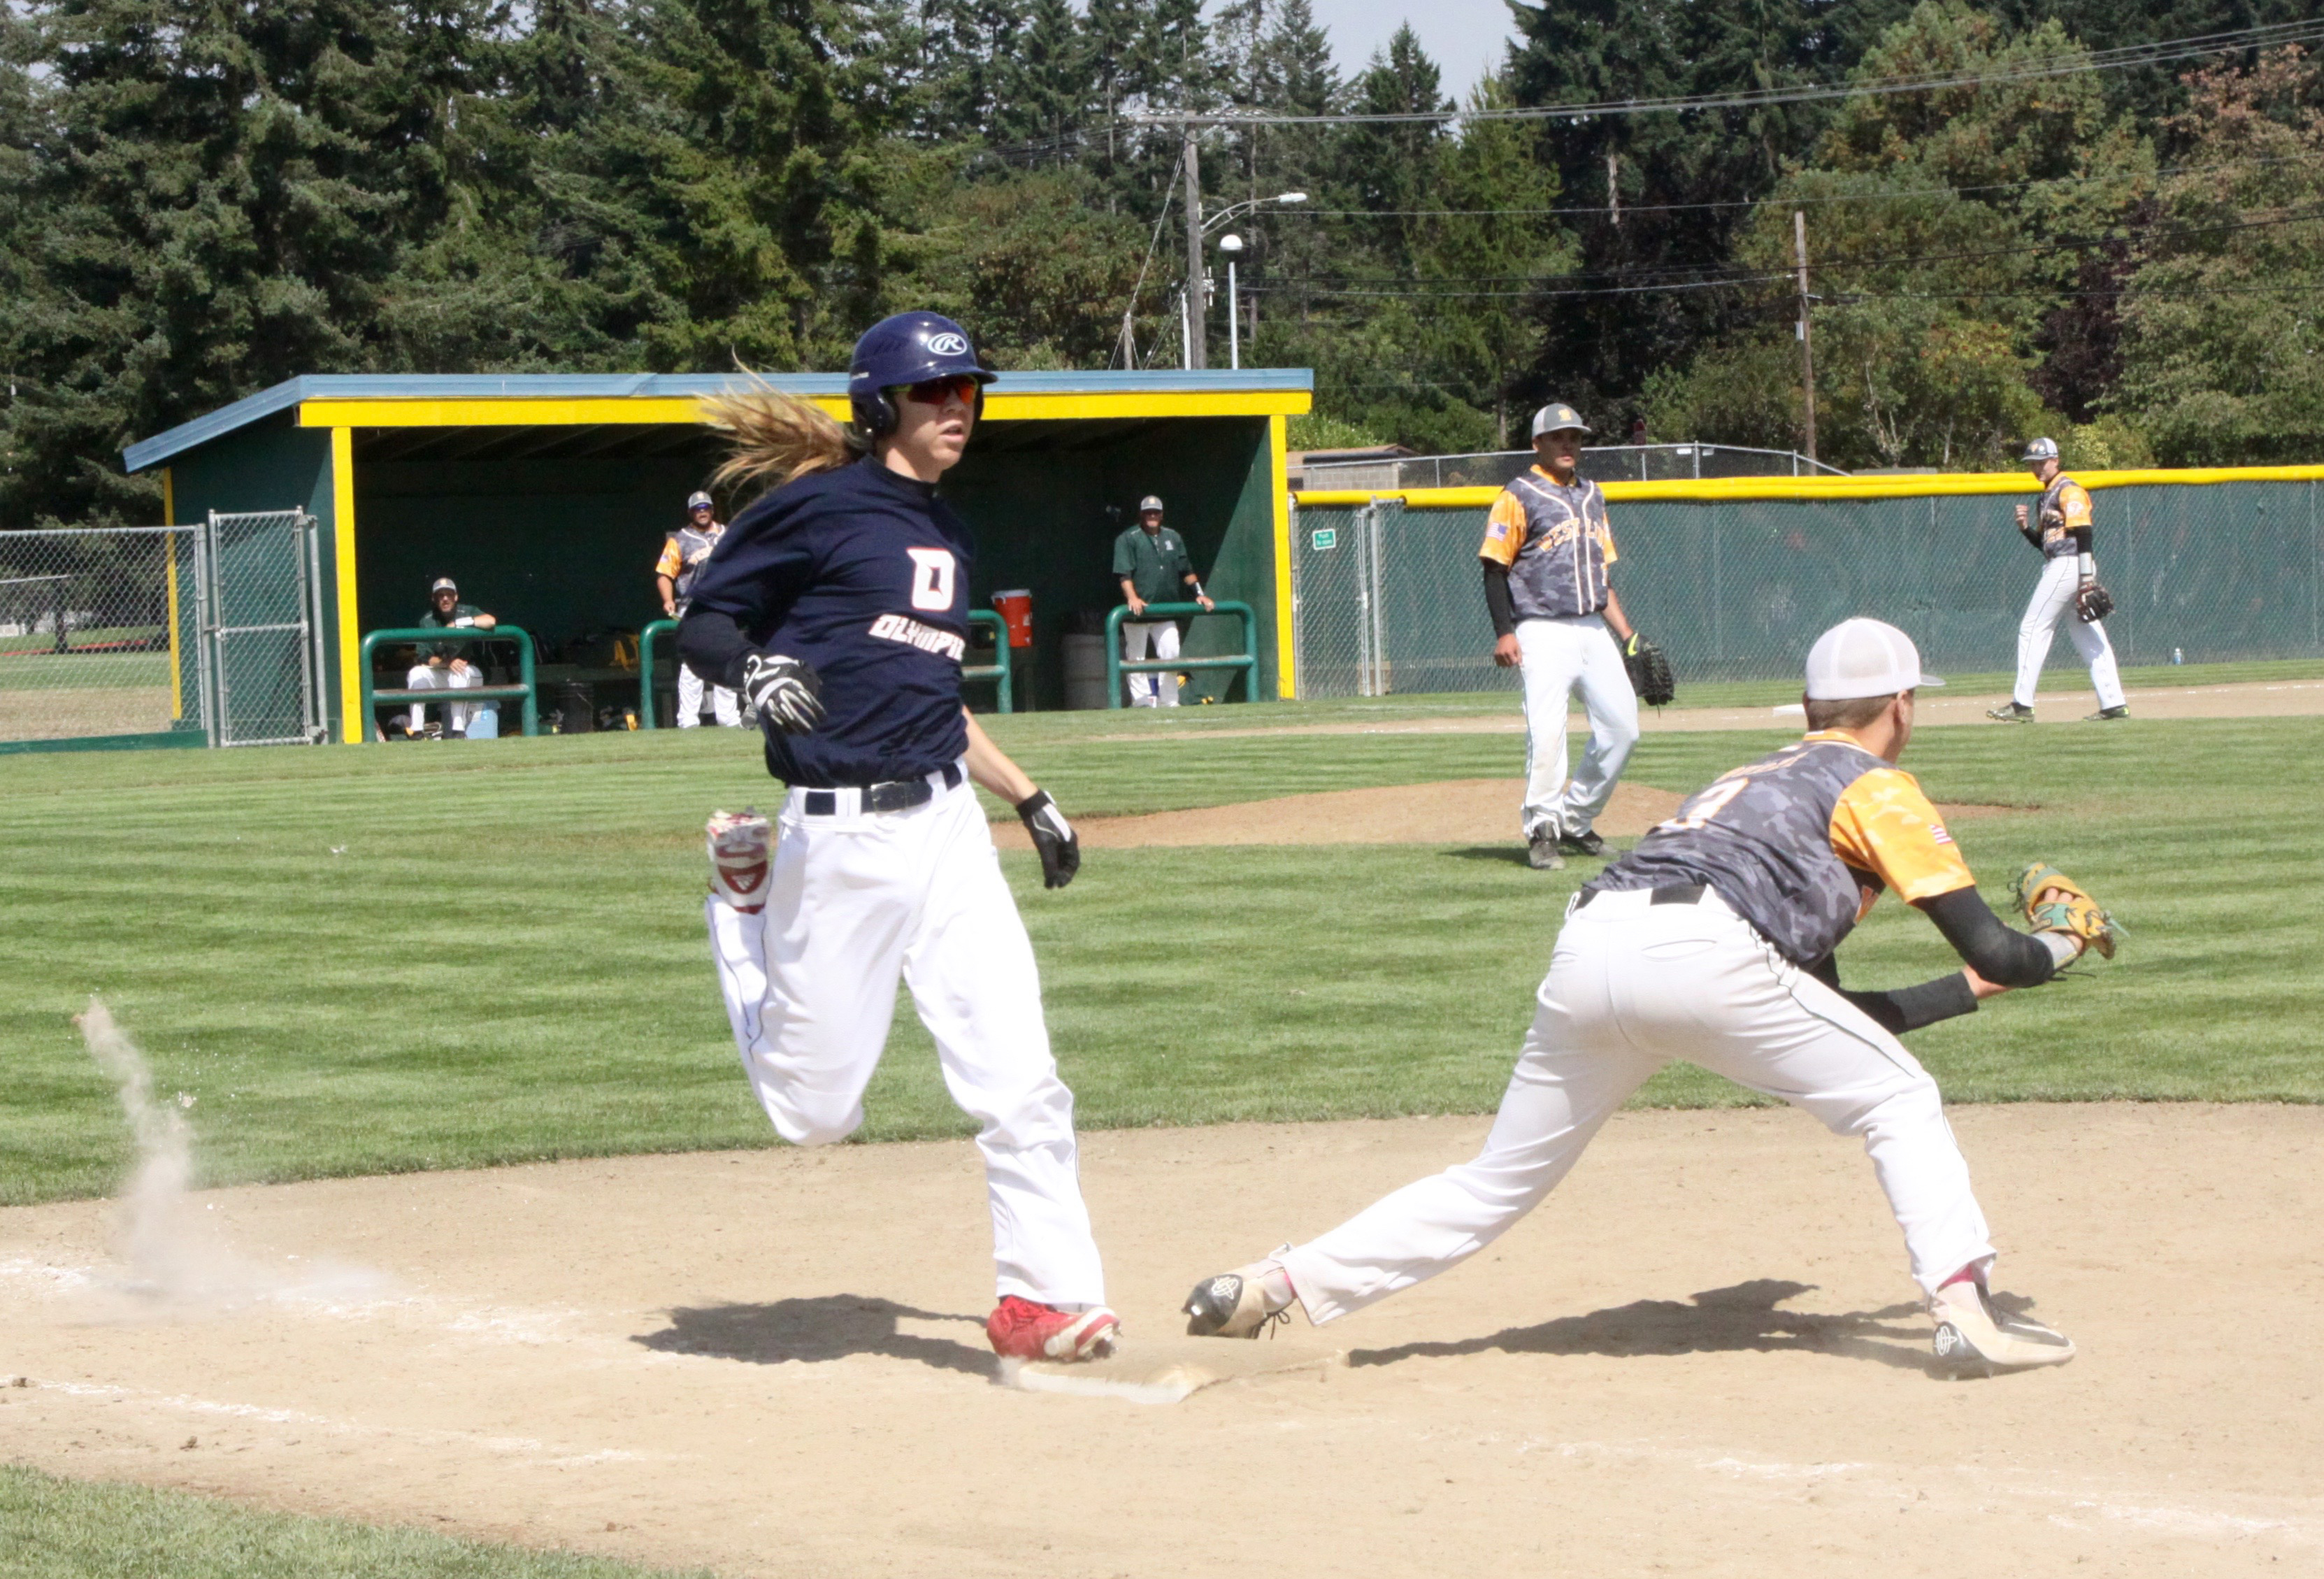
x=1605, y=543
x=1882, y=824
x=2074, y=504
x=1505, y=531
x=672, y=560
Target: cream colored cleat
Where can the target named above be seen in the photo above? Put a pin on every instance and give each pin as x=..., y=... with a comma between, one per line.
x=1972, y=1334
x=1239, y=1303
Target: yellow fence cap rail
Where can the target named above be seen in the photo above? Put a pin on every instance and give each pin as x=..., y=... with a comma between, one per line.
x=1917, y=485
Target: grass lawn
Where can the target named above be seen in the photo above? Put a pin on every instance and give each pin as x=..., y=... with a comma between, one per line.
x=51, y=1529
x=373, y=959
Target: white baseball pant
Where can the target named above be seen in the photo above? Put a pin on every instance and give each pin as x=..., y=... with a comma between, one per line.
x=1631, y=986
x=857, y=900
x=1560, y=657
x=724, y=704
x=1143, y=687
x=424, y=678
x=2052, y=601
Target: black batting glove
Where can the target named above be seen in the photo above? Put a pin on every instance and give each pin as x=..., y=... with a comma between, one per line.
x=1060, y=847
x=787, y=692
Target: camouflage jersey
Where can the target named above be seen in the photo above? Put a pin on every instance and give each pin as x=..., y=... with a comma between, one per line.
x=1556, y=544
x=1800, y=843
x=2064, y=519
x=683, y=553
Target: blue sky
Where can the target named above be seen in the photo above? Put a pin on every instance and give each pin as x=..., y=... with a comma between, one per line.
x=1466, y=38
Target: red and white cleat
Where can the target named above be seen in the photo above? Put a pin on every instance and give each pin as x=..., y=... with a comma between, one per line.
x=1021, y=1330
x=738, y=858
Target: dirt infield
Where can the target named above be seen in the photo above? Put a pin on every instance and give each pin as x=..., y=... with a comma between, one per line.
x=1453, y=811
x=1702, y=1355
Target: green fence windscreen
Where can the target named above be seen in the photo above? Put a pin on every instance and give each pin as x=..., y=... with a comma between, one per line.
x=1389, y=596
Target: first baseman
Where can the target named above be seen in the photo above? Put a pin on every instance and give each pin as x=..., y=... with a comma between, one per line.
x=1712, y=942
x=838, y=602
x=2062, y=533
x=1549, y=557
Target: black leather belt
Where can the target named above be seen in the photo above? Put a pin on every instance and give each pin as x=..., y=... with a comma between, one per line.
x=1676, y=893
x=896, y=795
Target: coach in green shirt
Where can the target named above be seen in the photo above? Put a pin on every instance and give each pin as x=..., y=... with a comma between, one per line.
x=1150, y=562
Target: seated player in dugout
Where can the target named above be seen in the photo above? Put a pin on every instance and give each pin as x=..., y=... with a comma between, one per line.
x=1151, y=565
x=837, y=602
x=451, y=666
x=1712, y=942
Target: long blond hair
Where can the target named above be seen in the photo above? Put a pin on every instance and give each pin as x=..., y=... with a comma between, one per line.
x=775, y=437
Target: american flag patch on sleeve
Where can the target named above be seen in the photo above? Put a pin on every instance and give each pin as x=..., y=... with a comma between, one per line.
x=1937, y=835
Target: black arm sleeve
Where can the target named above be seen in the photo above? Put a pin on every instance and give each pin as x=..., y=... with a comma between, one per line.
x=1496, y=599
x=2082, y=535
x=1899, y=1009
x=713, y=646
x=2002, y=956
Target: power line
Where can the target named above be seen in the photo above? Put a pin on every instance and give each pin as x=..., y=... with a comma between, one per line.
x=2160, y=53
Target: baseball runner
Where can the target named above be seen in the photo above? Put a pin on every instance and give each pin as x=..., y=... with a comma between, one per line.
x=1712, y=941
x=1151, y=565
x=2062, y=533
x=1549, y=555
x=838, y=603
x=683, y=552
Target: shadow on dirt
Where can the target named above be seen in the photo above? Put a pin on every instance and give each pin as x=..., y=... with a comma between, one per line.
x=1719, y=1320
x=831, y=1327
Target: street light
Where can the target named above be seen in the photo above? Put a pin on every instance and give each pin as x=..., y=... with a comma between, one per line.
x=1229, y=212
x=1232, y=244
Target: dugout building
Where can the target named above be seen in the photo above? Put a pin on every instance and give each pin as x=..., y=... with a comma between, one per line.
x=546, y=496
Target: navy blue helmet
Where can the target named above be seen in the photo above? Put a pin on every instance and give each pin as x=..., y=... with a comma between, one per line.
x=903, y=350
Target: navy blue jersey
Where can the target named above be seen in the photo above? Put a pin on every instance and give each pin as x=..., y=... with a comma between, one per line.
x=863, y=573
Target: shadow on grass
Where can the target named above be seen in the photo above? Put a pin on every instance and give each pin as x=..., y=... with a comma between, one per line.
x=1512, y=854
x=830, y=1326
x=1737, y=1319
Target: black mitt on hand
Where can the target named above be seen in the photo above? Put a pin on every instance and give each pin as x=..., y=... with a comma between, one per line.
x=1060, y=847
x=1650, y=671
x=787, y=692
x=2093, y=603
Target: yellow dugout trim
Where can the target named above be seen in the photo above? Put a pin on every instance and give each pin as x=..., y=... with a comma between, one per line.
x=354, y=727
x=1286, y=676
x=1809, y=489
x=170, y=550
x=660, y=410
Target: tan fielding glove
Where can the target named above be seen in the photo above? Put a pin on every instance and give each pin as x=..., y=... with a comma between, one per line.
x=2054, y=902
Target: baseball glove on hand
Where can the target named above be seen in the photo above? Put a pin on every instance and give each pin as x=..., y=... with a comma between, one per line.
x=2054, y=902
x=787, y=692
x=1060, y=847
x=2093, y=603
x=1650, y=671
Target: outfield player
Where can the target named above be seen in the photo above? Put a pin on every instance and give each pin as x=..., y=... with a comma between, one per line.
x=683, y=554
x=1712, y=942
x=1151, y=565
x=1548, y=557
x=2062, y=534
x=838, y=603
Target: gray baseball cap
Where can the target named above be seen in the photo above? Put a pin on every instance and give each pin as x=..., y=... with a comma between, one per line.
x=1557, y=417
x=700, y=500
x=1151, y=502
x=442, y=583
x=2040, y=450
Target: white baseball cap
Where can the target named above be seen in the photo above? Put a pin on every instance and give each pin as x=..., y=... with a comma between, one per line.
x=1864, y=658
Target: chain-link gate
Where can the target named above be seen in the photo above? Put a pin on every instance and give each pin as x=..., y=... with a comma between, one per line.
x=262, y=641
x=1388, y=599
x=161, y=635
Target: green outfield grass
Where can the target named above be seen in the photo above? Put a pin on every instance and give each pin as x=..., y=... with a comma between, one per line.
x=383, y=959
x=53, y=1528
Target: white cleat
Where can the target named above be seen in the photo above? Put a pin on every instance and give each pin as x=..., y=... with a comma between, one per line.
x=1241, y=1303
x=1972, y=1334
x=738, y=858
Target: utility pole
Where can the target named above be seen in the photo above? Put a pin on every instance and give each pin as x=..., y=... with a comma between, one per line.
x=1807, y=344
x=1614, y=188
x=1195, y=305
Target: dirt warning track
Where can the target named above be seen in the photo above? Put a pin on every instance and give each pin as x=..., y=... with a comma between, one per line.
x=1702, y=1355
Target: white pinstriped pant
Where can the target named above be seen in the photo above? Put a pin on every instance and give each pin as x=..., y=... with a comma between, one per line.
x=2052, y=601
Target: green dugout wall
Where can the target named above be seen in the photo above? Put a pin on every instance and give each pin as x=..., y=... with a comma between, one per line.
x=1736, y=578
x=546, y=496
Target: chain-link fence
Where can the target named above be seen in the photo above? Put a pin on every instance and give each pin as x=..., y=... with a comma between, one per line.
x=1603, y=463
x=96, y=632
x=1386, y=597
x=155, y=634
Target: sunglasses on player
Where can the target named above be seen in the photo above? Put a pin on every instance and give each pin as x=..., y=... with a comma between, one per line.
x=934, y=392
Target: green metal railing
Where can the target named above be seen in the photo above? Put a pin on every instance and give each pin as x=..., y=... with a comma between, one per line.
x=524, y=690
x=1000, y=668
x=645, y=670
x=1247, y=661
